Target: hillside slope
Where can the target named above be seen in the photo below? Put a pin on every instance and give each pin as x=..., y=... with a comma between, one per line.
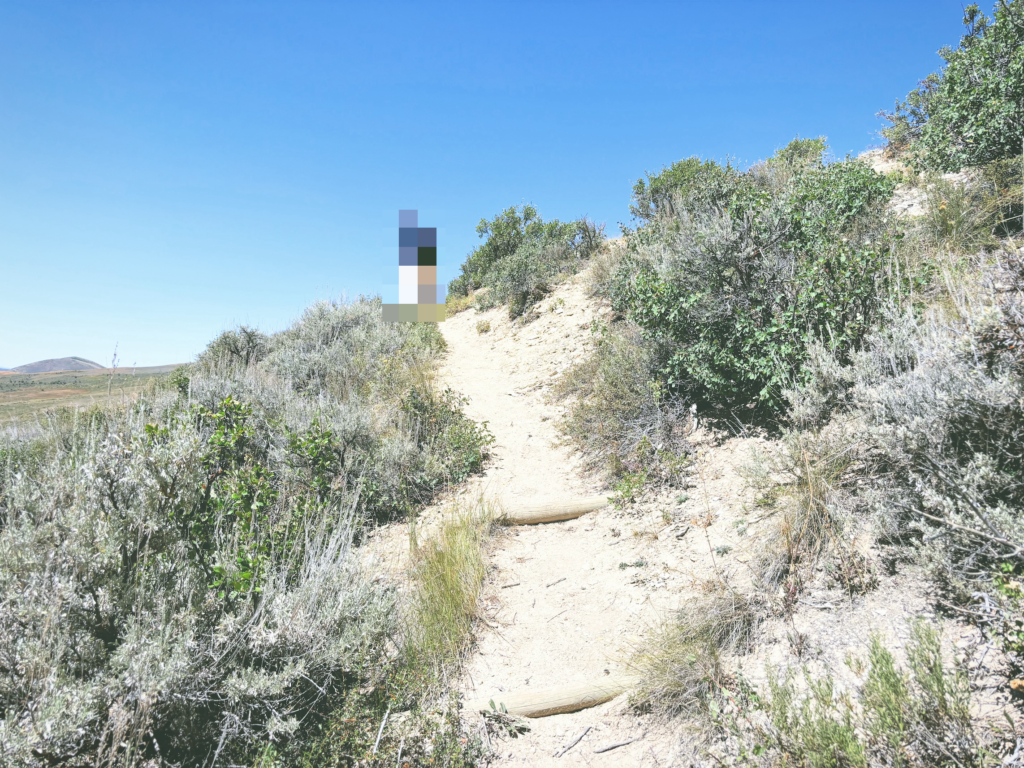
x=569, y=603
x=58, y=364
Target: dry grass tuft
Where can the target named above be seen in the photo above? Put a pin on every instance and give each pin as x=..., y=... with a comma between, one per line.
x=679, y=666
x=808, y=483
x=456, y=304
x=449, y=572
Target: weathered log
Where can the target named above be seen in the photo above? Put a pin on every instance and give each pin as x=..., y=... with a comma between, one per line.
x=554, y=701
x=551, y=513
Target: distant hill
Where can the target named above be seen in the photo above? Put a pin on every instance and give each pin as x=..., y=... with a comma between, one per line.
x=58, y=364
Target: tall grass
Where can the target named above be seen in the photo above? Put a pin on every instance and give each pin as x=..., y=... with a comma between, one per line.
x=435, y=628
x=448, y=574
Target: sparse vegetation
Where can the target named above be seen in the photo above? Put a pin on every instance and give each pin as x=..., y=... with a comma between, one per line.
x=25, y=397
x=899, y=719
x=455, y=303
x=963, y=217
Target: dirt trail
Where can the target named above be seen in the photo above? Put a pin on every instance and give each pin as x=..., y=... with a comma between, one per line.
x=563, y=602
x=566, y=603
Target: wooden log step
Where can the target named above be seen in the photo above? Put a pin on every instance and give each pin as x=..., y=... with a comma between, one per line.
x=551, y=513
x=554, y=701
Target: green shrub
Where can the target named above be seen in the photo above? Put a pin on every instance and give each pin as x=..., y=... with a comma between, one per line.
x=972, y=111
x=431, y=736
x=658, y=194
x=240, y=347
x=746, y=268
x=935, y=405
x=191, y=621
x=522, y=257
x=504, y=234
x=628, y=488
x=817, y=729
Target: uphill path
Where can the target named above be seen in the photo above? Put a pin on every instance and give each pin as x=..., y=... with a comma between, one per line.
x=563, y=604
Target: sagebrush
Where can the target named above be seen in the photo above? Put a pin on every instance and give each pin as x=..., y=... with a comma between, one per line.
x=179, y=583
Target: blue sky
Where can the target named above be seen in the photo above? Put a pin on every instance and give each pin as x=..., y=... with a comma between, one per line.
x=169, y=170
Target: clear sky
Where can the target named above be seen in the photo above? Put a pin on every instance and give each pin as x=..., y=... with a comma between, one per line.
x=172, y=169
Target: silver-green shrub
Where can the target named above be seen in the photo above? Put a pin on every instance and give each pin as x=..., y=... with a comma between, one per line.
x=178, y=583
x=935, y=403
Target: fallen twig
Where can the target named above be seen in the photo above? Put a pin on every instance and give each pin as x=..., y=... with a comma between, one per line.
x=381, y=731
x=557, y=614
x=819, y=606
x=483, y=724
x=610, y=747
x=506, y=586
x=958, y=609
x=556, y=581
x=573, y=743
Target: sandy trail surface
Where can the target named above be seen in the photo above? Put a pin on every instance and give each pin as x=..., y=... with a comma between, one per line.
x=562, y=604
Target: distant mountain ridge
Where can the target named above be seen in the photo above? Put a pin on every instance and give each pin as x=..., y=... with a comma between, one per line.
x=58, y=364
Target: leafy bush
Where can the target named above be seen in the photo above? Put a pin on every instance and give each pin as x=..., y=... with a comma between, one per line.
x=157, y=601
x=241, y=347
x=657, y=195
x=178, y=583
x=742, y=270
x=972, y=111
x=816, y=730
x=523, y=255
